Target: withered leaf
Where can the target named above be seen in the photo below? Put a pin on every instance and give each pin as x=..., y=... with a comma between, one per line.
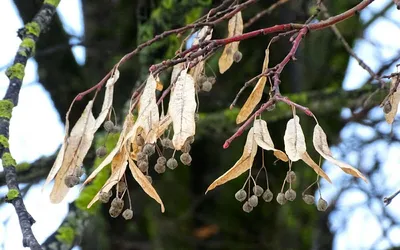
x=235, y=28
x=310, y=162
x=144, y=183
x=148, y=117
x=321, y=146
x=205, y=33
x=394, y=102
x=295, y=143
x=264, y=140
x=252, y=101
x=182, y=108
x=242, y=165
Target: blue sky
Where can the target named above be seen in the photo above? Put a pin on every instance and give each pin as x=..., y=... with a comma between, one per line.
x=36, y=130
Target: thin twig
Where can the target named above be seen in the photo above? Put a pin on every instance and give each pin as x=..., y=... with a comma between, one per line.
x=388, y=200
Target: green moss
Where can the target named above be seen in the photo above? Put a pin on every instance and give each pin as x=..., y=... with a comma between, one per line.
x=16, y=71
x=29, y=43
x=8, y=160
x=52, y=2
x=66, y=235
x=6, y=107
x=23, y=166
x=12, y=194
x=22, y=53
x=32, y=28
x=4, y=141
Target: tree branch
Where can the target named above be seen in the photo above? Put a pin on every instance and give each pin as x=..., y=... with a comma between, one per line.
x=29, y=35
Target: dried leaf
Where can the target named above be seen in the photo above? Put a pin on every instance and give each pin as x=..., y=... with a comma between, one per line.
x=309, y=161
x=182, y=108
x=160, y=85
x=263, y=139
x=205, y=33
x=242, y=165
x=321, y=145
x=145, y=184
x=394, y=102
x=108, y=99
x=148, y=117
x=266, y=60
x=295, y=143
x=235, y=28
x=252, y=101
x=176, y=71
x=76, y=147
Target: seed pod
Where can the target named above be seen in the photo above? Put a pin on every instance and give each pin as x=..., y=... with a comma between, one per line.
x=101, y=152
x=149, y=179
x=108, y=126
x=212, y=80
x=143, y=166
x=167, y=143
x=117, y=203
x=246, y=207
x=127, y=214
x=105, y=197
x=309, y=199
x=161, y=160
x=116, y=129
x=186, y=148
x=237, y=56
x=202, y=79
x=290, y=195
x=78, y=172
x=141, y=156
x=186, y=159
x=172, y=163
x=159, y=168
x=291, y=177
x=387, y=107
x=258, y=190
x=190, y=140
x=207, y=86
x=149, y=149
x=121, y=186
x=114, y=212
x=240, y=195
x=322, y=205
x=139, y=140
x=280, y=198
x=71, y=181
x=253, y=201
x=268, y=196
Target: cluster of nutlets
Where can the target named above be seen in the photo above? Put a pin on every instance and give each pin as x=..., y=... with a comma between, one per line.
x=109, y=127
x=205, y=83
x=74, y=179
x=117, y=204
x=252, y=200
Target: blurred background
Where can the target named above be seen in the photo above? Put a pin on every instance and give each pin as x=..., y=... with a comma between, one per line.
x=87, y=38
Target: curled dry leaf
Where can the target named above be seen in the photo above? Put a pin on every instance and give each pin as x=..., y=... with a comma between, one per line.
x=182, y=107
x=145, y=184
x=204, y=34
x=148, y=117
x=310, y=162
x=295, y=143
x=321, y=146
x=242, y=165
x=394, y=100
x=75, y=147
x=235, y=28
x=263, y=139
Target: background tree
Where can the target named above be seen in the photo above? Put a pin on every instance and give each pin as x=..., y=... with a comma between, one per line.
x=216, y=220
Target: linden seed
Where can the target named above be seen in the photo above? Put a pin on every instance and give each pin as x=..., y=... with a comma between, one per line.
x=108, y=126
x=143, y=166
x=167, y=143
x=387, y=107
x=291, y=177
x=190, y=139
x=105, y=197
x=309, y=199
x=172, y=163
x=139, y=140
x=207, y=86
x=149, y=179
x=186, y=148
x=71, y=181
x=258, y=190
x=149, y=149
x=280, y=198
x=246, y=207
x=253, y=201
x=116, y=129
x=127, y=214
x=117, y=203
x=268, y=196
x=159, y=168
x=290, y=195
x=212, y=80
x=114, y=212
x=101, y=152
x=186, y=159
x=78, y=172
x=202, y=79
x=322, y=205
x=237, y=56
x=161, y=160
x=141, y=156
x=240, y=195
x=121, y=186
